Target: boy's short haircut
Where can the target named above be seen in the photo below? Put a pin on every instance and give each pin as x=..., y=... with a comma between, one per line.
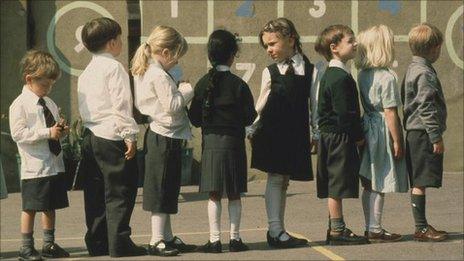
x=331, y=35
x=97, y=32
x=39, y=64
x=423, y=38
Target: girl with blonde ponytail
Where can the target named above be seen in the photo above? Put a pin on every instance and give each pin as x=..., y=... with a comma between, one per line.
x=158, y=96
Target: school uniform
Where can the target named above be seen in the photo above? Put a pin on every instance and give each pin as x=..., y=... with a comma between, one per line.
x=281, y=136
x=42, y=181
x=223, y=161
x=340, y=127
x=281, y=133
x=425, y=122
x=157, y=95
x=110, y=182
x=379, y=90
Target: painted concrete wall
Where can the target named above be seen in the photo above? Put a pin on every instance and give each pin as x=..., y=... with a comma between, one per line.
x=196, y=19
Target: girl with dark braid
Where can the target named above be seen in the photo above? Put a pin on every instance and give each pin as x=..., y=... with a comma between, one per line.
x=222, y=106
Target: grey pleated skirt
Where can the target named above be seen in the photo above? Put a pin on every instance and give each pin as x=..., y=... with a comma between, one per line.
x=223, y=164
x=163, y=168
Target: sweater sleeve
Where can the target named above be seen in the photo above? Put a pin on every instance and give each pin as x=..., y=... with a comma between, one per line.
x=195, y=111
x=247, y=105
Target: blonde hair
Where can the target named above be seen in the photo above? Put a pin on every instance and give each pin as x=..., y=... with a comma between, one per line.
x=375, y=48
x=39, y=64
x=160, y=38
x=423, y=38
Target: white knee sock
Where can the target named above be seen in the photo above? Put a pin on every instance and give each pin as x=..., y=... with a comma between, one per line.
x=235, y=212
x=168, y=229
x=273, y=198
x=373, y=209
x=214, y=216
x=158, y=221
x=283, y=201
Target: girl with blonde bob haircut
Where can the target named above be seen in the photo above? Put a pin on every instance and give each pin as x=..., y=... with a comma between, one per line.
x=158, y=96
x=383, y=167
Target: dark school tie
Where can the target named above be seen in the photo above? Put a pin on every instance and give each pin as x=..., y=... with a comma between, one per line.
x=290, y=70
x=55, y=146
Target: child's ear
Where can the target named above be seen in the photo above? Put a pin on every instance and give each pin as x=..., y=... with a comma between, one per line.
x=28, y=78
x=333, y=47
x=166, y=53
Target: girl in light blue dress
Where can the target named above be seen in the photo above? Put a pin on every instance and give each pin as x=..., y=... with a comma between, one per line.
x=383, y=167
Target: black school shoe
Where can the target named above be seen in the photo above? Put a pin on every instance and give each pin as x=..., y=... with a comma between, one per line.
x=29, y=253
x=209, y=247
x=130, y=250
x=290, y=243
x=237, y=246
x=178, y=244
x=53, y=250
x=154, y=250
x=345, y=237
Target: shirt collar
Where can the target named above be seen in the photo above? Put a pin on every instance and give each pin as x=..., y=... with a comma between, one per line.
x=421, y=60
x=339, y=64
x=222, y=68
x=30, y=95
x=297, y=59
x=104, y=54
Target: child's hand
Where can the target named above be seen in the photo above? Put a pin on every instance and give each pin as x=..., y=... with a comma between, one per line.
x=55, y=132
x=131, y=149
x=397, y=150
x=64, y=127
x=439, y=147
x=314, y=146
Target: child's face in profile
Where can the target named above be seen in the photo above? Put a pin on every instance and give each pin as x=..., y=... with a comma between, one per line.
x=346, y=49
x=278, y=47
x=166, y=59
x=434, y=54
x=40, y=86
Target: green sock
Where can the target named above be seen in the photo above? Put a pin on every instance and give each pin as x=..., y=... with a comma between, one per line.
x=418, y=211
x=337, y=224
x=28, y=240
x=49, y=236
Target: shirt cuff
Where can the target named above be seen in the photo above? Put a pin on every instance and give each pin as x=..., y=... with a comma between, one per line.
x=435, y=137
x=186, y=90
x=130, y=138
x=44, y=133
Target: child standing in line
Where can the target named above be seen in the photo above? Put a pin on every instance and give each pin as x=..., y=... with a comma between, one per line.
x=425, y=122
x=158, y=96
x=383, y=167
x=341, y=132
x=222, y=106
x=36, y=127
x=280, y=136
x=109, y=143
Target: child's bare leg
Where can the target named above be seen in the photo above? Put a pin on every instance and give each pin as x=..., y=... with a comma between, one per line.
x=48, y=226
x=27, y=221
x=336, y=214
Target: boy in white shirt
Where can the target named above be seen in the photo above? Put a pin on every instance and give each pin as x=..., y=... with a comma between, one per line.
x=36, y=128
x=109, y=145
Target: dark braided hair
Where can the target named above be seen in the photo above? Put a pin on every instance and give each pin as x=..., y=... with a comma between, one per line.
x=222, y=45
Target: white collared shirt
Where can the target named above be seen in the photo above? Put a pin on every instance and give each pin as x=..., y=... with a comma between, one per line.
x=299, y=66
x=157, y=95
x=339, y=64
x=29, y=131
x=105, y=99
